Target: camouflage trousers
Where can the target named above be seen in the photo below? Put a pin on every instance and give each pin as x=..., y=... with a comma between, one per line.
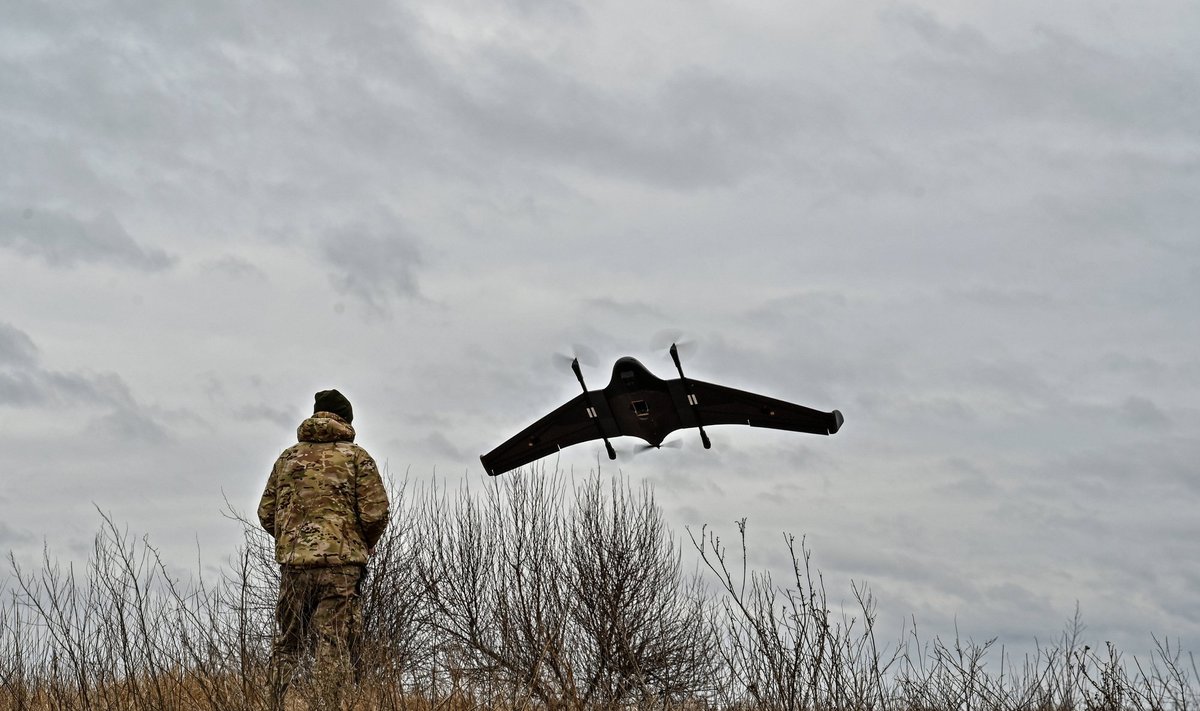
x=318, y=610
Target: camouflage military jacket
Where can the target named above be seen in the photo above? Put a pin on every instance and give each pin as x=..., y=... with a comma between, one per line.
x=325, y=503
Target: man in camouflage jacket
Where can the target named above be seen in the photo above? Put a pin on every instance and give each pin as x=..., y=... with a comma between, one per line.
x=326, y=507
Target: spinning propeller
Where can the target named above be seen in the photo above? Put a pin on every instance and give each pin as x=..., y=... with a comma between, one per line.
x=643, y=448
x=581, y=353
x=667, y=337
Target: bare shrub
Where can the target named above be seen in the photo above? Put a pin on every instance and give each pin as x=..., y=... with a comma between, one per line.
x=641, y=632
x=570, y=611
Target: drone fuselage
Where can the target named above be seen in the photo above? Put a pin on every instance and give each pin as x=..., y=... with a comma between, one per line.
x=642, y=404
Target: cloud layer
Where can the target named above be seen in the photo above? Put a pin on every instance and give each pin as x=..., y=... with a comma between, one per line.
x=968, y=228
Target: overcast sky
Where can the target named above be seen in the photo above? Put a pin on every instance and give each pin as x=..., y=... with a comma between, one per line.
x=969, y=226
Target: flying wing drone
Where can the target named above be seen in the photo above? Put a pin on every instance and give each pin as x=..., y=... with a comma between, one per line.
x=636, y=403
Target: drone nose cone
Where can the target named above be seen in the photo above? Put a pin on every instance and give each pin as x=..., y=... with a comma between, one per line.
x=837, y=421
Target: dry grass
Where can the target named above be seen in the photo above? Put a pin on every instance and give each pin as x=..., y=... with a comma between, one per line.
x=531, y=594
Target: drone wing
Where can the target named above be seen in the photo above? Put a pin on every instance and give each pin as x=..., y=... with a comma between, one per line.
x=572, y=423
x=719, y=405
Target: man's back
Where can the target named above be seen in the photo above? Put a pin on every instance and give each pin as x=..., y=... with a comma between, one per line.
x=324, y=503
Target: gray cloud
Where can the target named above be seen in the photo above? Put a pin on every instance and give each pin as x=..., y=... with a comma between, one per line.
x=962, y=39
x=16, y=348
x=699, y=126
x=38, y=387
x=283, y=418
x=19, y=390
x=1057, y=74
x=1142, y=412
x=626, y=309
x=25, y=383
x=10, y=536
x=1010, y=378
x=441, y=446
x=1136, y=364
x=234, y=267
x=127, y=426
x=1003, y=297
x=375, y=265
x=61, y=239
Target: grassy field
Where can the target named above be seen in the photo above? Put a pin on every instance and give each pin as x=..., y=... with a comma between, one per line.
x=530, y=595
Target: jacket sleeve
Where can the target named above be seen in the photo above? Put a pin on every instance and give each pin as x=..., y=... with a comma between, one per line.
x=372, y=500
x=266, y=505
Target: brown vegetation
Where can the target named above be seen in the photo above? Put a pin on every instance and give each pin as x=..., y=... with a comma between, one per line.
x=532, y=594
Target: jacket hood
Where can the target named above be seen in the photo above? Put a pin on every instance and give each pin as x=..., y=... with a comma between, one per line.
x=325, y=427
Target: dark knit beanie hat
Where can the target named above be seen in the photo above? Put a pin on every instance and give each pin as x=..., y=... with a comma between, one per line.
x=335, y=402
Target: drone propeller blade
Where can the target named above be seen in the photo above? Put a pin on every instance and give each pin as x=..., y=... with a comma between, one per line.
x=667, y=337
x=586, y=357
x=643, y=448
